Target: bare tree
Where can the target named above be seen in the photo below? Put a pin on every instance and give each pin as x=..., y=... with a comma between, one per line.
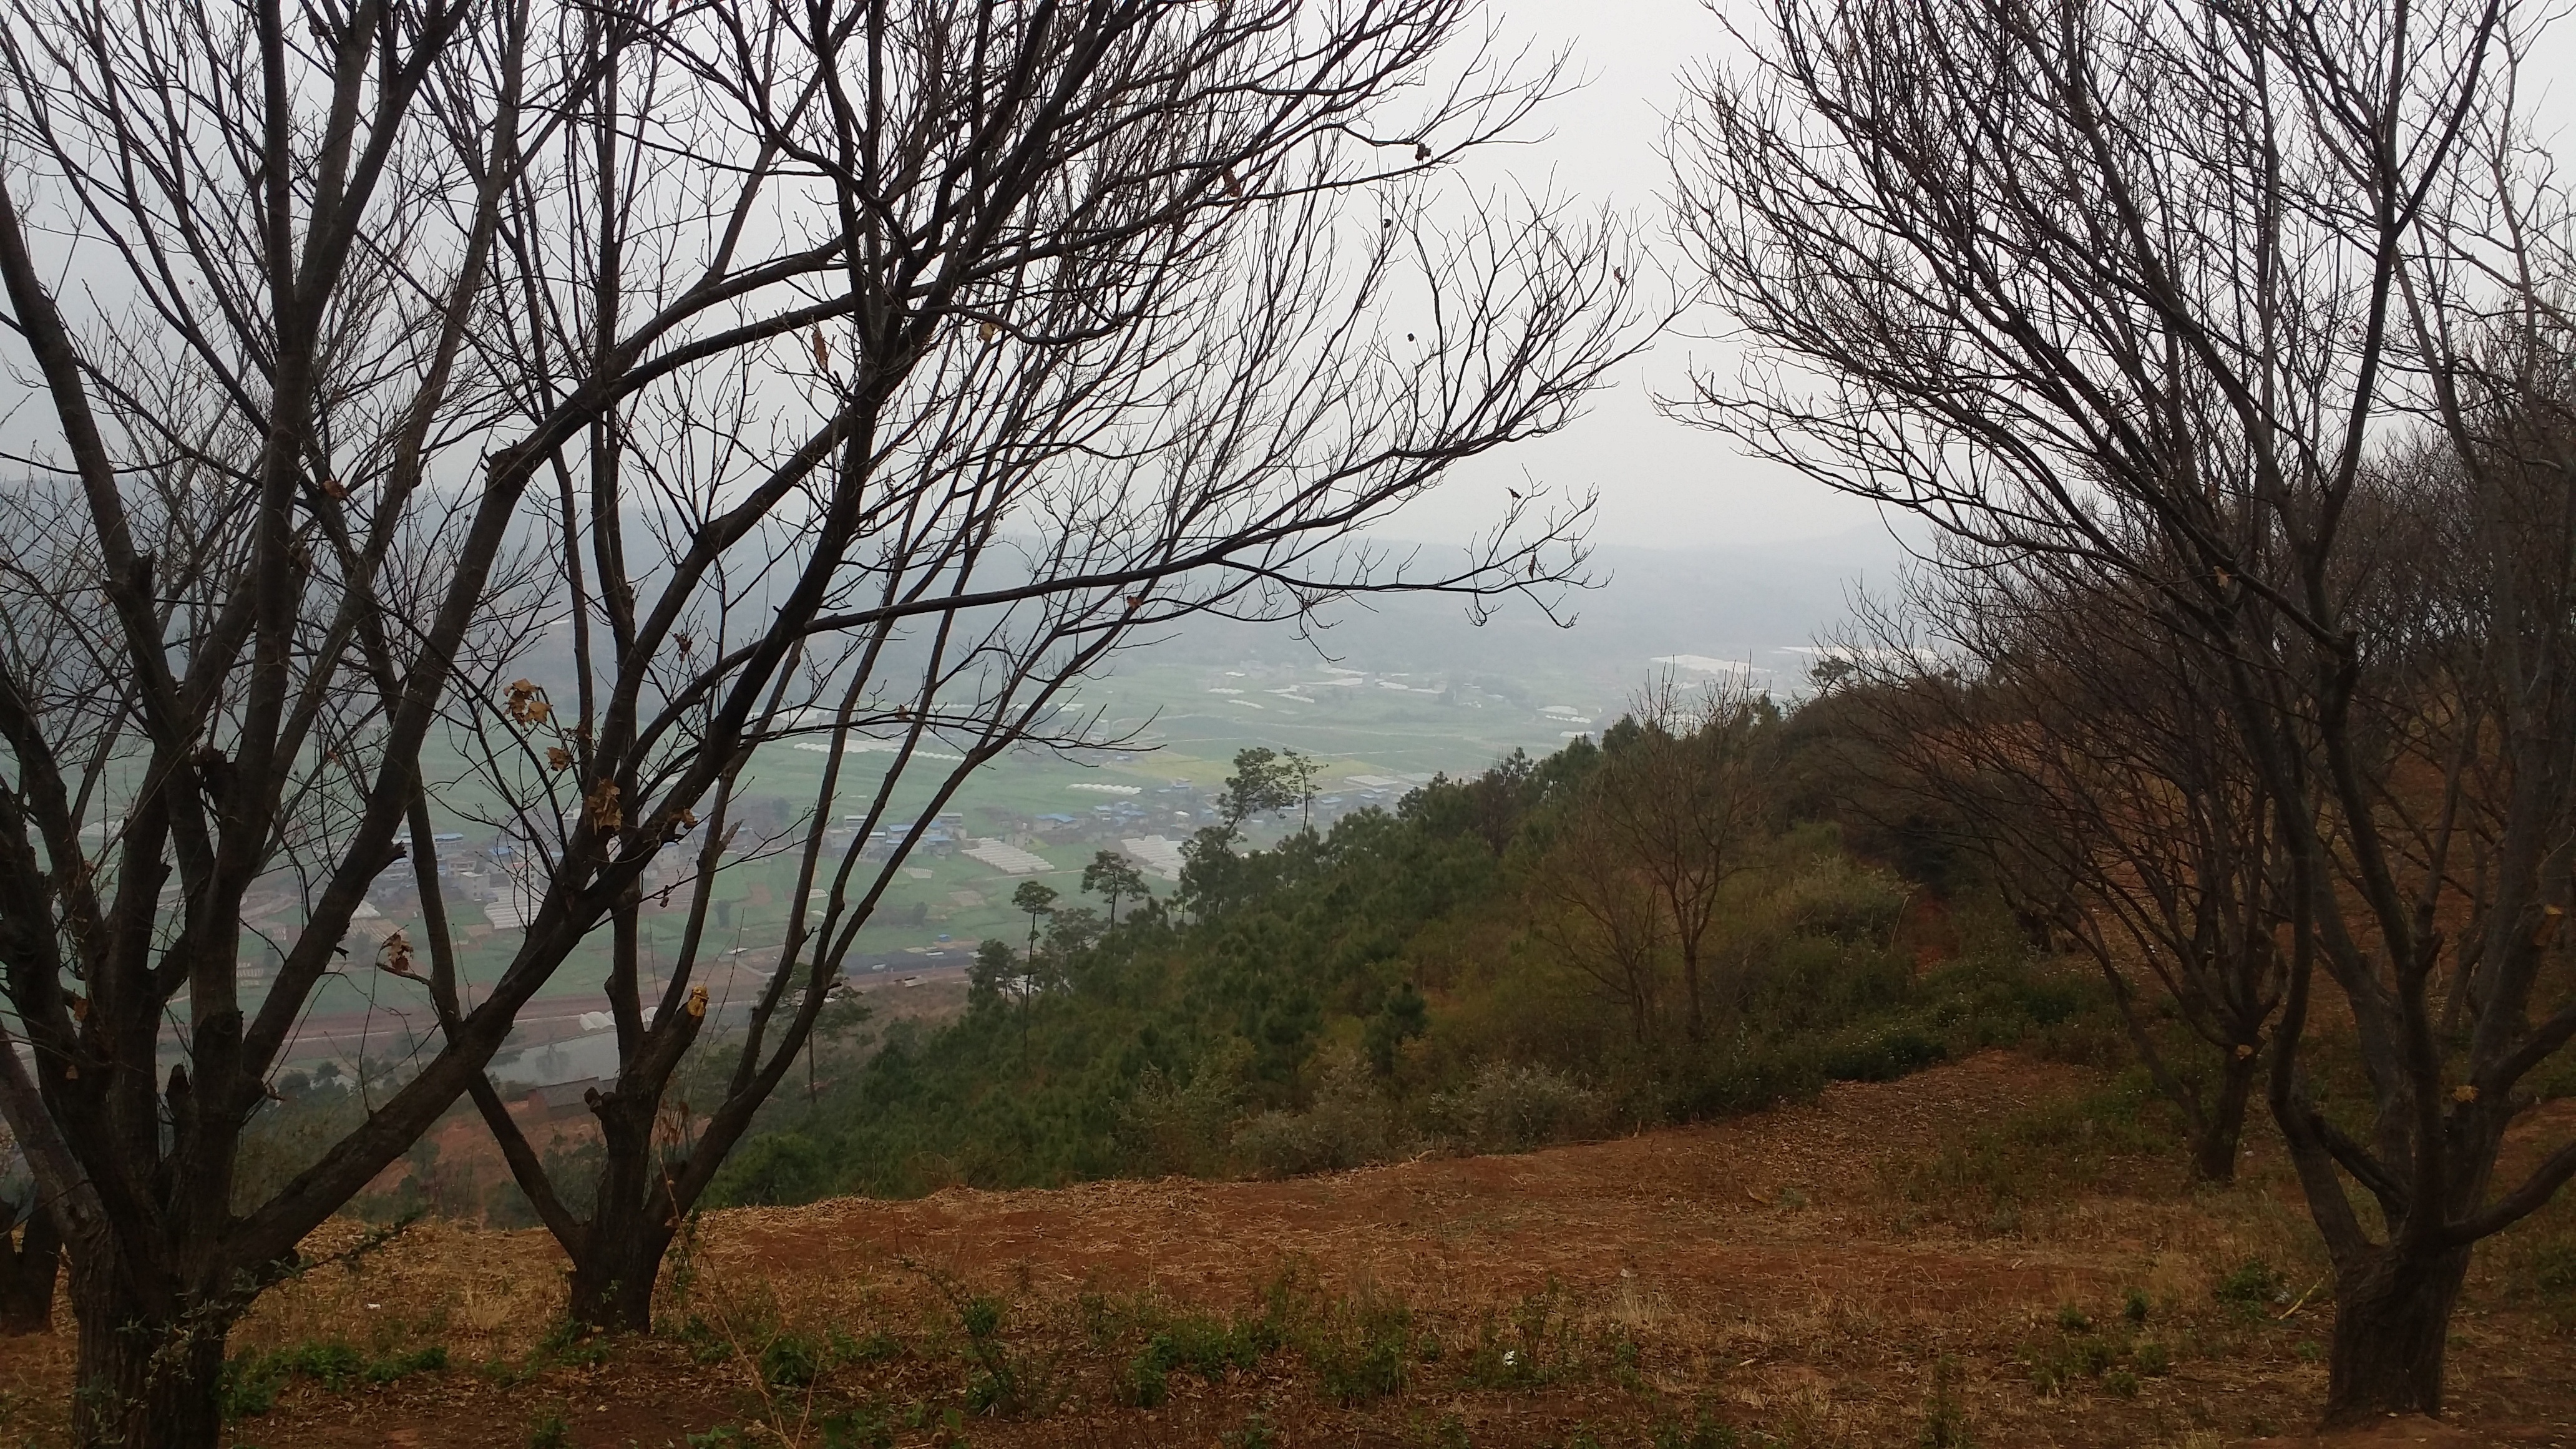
x=246, y=260
x=1679, y=798
x=31, y=1261
x=382, y=348
x=1109, y=336
x=2092, y=761
x=2157, y=285
x=1604, y=917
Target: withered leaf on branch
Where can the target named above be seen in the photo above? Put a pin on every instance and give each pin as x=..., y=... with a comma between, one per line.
x=605, y=811
x=526, y=703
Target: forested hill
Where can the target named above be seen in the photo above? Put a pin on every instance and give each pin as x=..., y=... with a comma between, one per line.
x=1668, y=925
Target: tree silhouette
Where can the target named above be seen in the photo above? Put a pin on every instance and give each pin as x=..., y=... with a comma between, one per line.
x=1114, y=877
x=1036, y=901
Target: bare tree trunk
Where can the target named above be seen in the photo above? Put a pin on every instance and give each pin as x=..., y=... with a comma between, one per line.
x=2213, y=1145
x=630, y=1228
x=612, y=1279
x=28, y=1269
x=146, y=1379
x=1697, y=1024
x=2392, y=1319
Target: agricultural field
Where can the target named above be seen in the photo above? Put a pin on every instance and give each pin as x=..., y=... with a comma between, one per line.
x=1374, y=735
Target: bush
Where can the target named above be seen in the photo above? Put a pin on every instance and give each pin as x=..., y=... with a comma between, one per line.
x=1364, y=1350
x=1349, y=1125
x=2252, y=1289
x=1167, y=1127
x=1882, y=1055
x=778, y=1170
x=2540, y=1265
x=1507, y=1107
x=858, y=1429
x=549, y=1431
x=1337, y=1000
x=790, y=1361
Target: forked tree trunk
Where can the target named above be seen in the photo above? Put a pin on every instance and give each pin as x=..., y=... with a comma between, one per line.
x=612, y=1281
x=2213, y=1147
x=144, y=1380
x=2392, y=1321
x=622, y=1247
x=28, y=1268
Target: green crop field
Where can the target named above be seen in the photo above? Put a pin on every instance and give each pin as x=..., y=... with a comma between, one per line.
x=1182, y=722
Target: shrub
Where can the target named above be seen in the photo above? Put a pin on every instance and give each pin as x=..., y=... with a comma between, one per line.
x=1001, y=1383
x=1256, y=1433
x=550, y=1431
x=1508, y=1106
x=790, y=1361
x=1363, y=1351
x=577, y=1344
x=1164, y=1127
x=1349, y=1124
x=2252, y=1289
x=432, y=1359
x=858, y=1429
x=1197, y=1343
x=1883, y=1055
x=877, y=1347
x=2541, y=1259
x=776, y=1170
x=1945, y=1423
x=2046, y=1151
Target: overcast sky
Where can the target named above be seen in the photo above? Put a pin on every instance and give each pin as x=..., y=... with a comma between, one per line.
x=1663, y=484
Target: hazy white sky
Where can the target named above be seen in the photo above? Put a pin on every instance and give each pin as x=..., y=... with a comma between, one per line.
x=1663, y=484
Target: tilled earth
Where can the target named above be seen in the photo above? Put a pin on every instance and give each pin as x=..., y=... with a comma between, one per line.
x=1782, y=1278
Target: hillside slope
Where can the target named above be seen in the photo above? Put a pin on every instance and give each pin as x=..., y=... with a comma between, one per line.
x=1896, y=1263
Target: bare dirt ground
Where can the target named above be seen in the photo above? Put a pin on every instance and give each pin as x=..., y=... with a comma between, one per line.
x=1812, y=1275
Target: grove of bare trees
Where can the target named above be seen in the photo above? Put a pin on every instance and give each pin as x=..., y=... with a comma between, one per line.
x=2237, y=331
x=2090, y=762
x=554, y=405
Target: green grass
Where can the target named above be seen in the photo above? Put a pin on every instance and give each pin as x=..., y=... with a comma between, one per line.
x=252, y=1381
